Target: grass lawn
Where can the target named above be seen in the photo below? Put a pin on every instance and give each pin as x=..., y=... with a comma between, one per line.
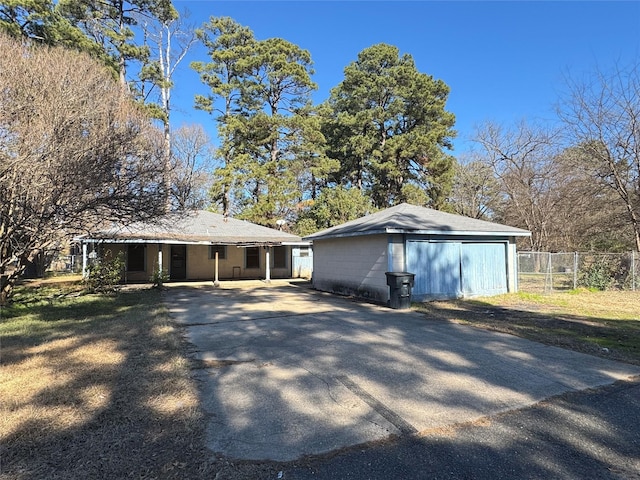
x=606, y=324
x=96, y=386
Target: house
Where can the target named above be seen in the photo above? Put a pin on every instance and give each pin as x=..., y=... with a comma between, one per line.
x=450, y=255
x=198, y=245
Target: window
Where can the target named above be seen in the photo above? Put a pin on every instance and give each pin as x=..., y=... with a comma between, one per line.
x=252, y=257
x=221, y=249
x=279, y=257
x=135, y=258
x=304, y=251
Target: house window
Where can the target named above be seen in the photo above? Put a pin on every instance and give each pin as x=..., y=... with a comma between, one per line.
x=279, y=257
x=304, y=251
x=221, y=249
x=252, y=257
x=136, y=258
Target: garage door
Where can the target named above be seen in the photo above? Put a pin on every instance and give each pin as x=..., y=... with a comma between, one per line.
x=437, y=268
x=483, y=268
x=455, y=269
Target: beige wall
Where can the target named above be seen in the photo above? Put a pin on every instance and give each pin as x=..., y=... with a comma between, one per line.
x=200, y=266
x=352, y=266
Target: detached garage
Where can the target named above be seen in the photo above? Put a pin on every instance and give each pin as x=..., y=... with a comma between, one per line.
x=451, y=256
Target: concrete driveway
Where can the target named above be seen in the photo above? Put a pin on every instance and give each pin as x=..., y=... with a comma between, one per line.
x=288, y=371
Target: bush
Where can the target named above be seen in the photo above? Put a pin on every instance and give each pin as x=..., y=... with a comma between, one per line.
x=159, y=277
x=105, y=274
x=598, y=275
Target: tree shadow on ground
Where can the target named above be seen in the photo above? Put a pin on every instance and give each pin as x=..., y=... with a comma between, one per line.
x=115, y=401
x=606, y=338
x=267, y=355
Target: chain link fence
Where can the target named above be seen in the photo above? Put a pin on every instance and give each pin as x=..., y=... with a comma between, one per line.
x=538, y=272
x=545, y=271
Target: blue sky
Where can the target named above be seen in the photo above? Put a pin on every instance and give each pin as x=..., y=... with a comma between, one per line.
x=503, y=60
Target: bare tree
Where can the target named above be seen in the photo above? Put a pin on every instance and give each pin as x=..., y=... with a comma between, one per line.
x=587, y=215
x=190, y=168
x=74, y=152
x=523, y=161
x=476, y=191
x=545, y=188
x=602, y=115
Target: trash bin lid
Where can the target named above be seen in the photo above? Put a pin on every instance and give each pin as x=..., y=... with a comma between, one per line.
x=398, y=278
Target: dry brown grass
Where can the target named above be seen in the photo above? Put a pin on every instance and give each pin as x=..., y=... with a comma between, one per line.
x=97, y=387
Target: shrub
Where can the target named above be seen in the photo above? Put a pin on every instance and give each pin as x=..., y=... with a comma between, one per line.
x=598, y=275
x=159, y=277
x=105, y=274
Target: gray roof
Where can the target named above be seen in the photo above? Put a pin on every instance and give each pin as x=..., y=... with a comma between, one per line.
x=199, y=227
x=406, y=218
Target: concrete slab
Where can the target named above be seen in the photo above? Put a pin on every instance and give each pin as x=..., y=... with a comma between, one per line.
x=290, y=372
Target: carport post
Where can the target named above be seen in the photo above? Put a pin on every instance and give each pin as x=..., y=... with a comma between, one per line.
x=160, y=258
x=216, y=282
x=267, y=268
x=84, y=259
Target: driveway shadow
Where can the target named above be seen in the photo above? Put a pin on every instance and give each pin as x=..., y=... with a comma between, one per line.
x=287, y=372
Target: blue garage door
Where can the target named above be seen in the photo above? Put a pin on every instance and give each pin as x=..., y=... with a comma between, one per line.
x=484, y=268
x=437, y=268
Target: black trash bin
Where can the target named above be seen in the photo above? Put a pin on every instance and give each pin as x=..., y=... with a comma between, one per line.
x=400, y=284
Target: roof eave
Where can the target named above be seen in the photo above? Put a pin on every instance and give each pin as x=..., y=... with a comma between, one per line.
x=464, y=233
x=243, y=243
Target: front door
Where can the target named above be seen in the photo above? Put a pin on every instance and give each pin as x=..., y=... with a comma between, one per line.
x=178, y=269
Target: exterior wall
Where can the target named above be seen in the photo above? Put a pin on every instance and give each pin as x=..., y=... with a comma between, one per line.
x=512, y=266
x=302, y=267
x=444, y=266
x=397, y=261
x=199, y=265
x=352, y=266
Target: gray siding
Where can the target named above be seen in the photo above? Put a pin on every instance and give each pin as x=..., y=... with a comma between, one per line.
x=352, y=266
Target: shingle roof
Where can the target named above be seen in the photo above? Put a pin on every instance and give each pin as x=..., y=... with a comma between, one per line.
x=196, y=227
x=406, y=218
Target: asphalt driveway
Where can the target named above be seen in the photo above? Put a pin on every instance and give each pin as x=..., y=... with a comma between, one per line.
x=287, y=371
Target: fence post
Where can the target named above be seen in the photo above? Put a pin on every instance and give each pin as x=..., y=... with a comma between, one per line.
x=633, y=270
x=550, y=271
x=575, y=270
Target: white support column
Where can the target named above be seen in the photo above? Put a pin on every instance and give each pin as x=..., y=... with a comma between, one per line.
x=268, y=266
x=160, y=258
x=84, y=259
x=216, y=282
